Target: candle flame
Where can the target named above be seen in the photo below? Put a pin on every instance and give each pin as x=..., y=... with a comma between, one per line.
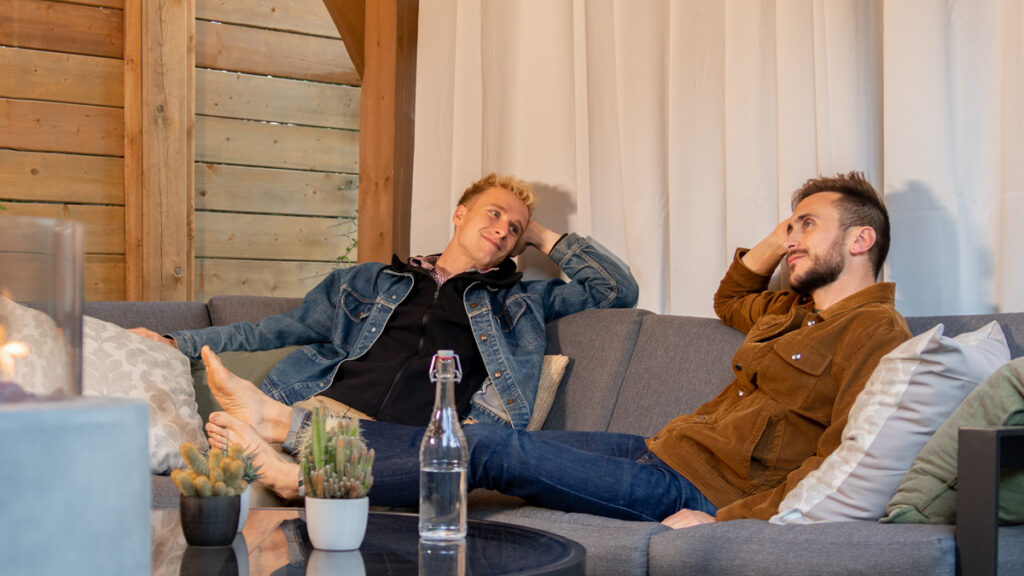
x=9, y=352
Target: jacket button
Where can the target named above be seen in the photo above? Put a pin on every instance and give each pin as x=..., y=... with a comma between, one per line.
x=511, y=401
x=373, y=329
x=483, y=337
x=797, y=356
x=741, y=393
x=473, y=305
x=812, y=322
x=394, y=296
x=497, y=374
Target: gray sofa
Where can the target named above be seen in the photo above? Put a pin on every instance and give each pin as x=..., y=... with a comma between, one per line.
x=631, y=371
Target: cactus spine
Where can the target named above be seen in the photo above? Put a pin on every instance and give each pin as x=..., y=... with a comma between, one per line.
x=333, y=458
x=213, y=474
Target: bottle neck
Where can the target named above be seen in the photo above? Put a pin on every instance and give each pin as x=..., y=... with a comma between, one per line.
x=445, y=395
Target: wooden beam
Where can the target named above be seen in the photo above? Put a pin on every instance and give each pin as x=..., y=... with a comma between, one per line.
x=387, y=120
x=133, y=218
x=162, y=202
x=350, y=18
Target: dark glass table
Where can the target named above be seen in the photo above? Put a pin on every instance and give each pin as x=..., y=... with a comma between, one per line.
x=274, y=542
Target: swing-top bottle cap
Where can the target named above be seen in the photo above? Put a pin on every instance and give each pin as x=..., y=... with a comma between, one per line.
x=443, y=356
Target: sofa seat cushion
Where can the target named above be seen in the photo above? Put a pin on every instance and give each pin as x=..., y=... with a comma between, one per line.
x=614, y=547
x=758, y=547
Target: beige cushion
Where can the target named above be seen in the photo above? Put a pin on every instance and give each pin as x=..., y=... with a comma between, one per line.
x=910, y=394
x=550, y=379
x=119, y=363
x=926, y=494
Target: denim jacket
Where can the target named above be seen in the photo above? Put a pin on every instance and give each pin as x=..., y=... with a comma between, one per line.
x=342, y=317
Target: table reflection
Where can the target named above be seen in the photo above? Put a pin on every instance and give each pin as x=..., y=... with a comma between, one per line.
x=274, y=542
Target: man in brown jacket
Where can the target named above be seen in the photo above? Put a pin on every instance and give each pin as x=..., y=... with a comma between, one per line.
x=808, y=353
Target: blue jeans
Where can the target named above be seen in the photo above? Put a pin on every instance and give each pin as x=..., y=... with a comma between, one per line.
x=600, y=473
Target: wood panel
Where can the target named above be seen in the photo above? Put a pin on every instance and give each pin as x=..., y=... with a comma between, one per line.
x=38, y=75
x=119, y=4
x=59, y=127
x=305, y=16
x=104, y=277
x=262, y=236
x=62, y=27
x=283, y=54
x=234, y=95
x=265, y=190
x=104, y=225
x=61, y=177
x=229, y=141
x=258, y=278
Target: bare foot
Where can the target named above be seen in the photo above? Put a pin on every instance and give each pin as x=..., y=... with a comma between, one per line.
x=243, y=400
x=277, y=472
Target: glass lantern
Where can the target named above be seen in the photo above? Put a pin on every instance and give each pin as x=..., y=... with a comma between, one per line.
x=41, y=265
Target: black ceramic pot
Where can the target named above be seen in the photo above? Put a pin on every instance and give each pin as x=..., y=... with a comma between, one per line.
x=209, y=521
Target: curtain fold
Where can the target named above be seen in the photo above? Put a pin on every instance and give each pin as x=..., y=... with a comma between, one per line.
x=675, y=131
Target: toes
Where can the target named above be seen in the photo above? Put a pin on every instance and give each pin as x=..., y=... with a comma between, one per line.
x=210, y=359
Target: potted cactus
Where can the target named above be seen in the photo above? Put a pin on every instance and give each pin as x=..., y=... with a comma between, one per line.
x=336, y=472
x=211, y=488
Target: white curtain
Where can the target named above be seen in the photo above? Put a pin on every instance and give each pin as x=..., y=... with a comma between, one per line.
x=673, y=132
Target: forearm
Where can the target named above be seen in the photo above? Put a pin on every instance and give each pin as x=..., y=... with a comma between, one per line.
x=598, y=279
x=743, y=297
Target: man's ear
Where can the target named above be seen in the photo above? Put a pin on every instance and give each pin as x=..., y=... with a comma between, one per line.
x=459, y=215
x=863, y=241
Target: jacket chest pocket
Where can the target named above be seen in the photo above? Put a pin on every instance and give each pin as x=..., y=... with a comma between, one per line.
x=356, y=307
x=793, y=369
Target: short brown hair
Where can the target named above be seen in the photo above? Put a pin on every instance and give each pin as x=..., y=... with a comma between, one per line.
x=859, y=205
x=520, y=188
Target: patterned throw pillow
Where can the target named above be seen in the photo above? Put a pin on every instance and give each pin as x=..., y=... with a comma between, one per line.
x=910, y=394
x=119, y=363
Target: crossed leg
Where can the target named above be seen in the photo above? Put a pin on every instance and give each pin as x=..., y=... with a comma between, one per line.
x=254, y=420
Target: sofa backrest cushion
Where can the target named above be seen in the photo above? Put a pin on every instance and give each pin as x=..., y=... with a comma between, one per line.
x=1012, y=324
x=678, y=364
x=599, y=344
x=226, y=310
x=161, y=317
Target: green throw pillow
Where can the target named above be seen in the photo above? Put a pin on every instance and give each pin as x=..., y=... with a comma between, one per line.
x=927, y=494
x=252, y=366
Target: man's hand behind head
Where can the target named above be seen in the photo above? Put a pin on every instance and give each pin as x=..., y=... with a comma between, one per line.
x=538, y=236
x=764, y=257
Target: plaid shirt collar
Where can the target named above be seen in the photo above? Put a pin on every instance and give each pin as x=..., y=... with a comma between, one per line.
x=440, y=275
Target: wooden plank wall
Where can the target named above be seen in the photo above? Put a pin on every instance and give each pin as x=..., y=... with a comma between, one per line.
x=276, y=146
x=275, y=139
x=62, y=124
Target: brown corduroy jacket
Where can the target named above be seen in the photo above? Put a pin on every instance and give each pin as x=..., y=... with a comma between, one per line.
x=797, y=375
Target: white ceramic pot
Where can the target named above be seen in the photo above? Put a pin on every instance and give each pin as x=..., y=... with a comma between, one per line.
x=336, y=523
x=243, y=507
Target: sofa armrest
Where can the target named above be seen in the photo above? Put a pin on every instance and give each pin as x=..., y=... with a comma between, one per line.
x=982, y=454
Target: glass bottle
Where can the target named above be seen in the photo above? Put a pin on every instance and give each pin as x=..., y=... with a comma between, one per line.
x=444, y=458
